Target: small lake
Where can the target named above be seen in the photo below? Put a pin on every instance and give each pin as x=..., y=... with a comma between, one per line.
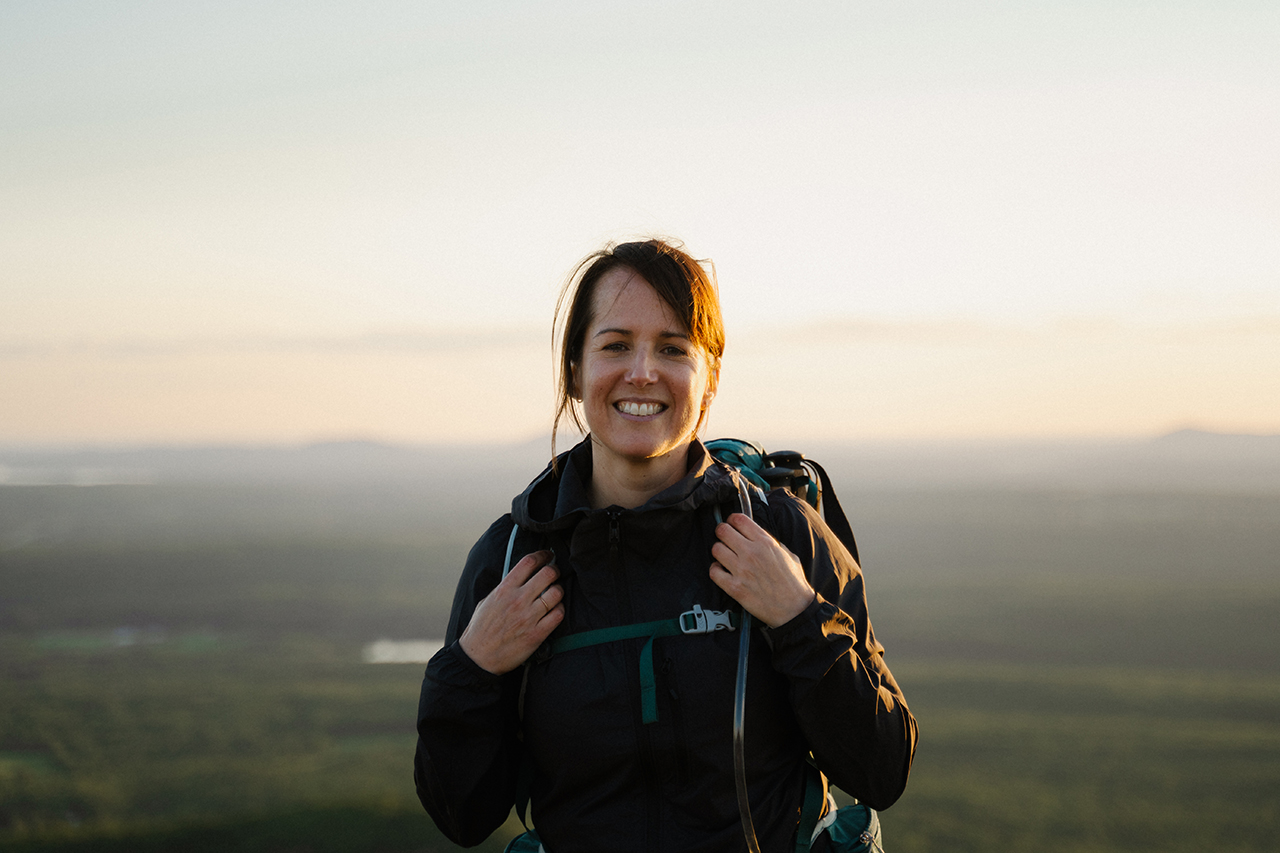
x=401, y=651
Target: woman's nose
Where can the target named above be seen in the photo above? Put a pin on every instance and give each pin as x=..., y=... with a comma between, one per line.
x=642, y=370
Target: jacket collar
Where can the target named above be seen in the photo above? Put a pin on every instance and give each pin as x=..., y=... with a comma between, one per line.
x=560, y=498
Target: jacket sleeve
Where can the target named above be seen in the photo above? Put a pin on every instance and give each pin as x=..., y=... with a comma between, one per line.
x=848, y=705
x=468, y=755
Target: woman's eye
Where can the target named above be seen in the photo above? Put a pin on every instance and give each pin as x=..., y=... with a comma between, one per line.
x=673, y=351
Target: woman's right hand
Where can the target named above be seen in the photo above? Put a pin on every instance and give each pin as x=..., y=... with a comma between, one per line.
x=511, y=622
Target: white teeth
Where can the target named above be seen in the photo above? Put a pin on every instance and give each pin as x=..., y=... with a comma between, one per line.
x=640, y=409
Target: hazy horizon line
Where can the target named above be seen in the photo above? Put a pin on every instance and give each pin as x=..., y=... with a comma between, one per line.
x=567, y=440
x=852, y=329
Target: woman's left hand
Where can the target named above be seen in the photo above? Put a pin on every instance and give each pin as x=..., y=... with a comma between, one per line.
x=761, y=575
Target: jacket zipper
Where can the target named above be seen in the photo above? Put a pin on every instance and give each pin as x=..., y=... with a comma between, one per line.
x=627, y=616
x=615, y=534
x=615, y=563
x=677, y=722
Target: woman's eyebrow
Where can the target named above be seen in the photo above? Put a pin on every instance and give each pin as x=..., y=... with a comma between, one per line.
x=617, y=331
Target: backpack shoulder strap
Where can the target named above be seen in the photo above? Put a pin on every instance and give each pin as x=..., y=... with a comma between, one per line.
x=511, y=545
x=815, y=795
x=790, y=470
x=832, y=513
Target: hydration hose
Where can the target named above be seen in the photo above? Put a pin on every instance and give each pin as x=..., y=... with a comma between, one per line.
x=739, y=707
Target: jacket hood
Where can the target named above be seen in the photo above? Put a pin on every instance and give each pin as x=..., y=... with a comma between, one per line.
x=557, y=499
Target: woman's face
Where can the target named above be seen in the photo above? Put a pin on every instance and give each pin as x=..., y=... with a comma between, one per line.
x=643, y=383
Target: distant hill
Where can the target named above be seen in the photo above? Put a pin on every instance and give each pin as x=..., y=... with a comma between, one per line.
x=345, y=462
x=1186, y=460
x=1183, y=461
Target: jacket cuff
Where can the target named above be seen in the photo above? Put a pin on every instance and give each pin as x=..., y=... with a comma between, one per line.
x=452, y=667
x=808, y=616
x=821, y=633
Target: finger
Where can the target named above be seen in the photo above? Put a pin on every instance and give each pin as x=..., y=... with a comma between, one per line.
x=548, y=623
x=545, y=577
x=730, y=536
x=737, y=541
x=745, y=525
x=723, y=554
x=525, y=568
x=722, y=578
x=551, y=596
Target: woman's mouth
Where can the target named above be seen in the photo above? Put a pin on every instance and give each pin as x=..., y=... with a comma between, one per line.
x=639, y=410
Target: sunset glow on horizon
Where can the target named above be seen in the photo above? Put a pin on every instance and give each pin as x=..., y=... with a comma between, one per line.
x=246, y=224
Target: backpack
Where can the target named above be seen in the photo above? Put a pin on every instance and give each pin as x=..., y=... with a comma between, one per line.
x=787, y=469
x=854, y=828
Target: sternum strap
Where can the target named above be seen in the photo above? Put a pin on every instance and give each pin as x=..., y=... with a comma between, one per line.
x=695, y=621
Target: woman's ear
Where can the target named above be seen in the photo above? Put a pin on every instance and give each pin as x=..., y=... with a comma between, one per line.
x=574, y=390
x=713, y=382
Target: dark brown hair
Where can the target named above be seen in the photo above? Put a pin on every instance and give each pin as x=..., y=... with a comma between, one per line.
x=687, y=285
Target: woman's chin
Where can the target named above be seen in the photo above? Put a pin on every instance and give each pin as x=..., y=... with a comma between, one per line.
x=642, y=452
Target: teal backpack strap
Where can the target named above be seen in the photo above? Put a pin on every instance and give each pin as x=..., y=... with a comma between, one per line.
x=789, y=470
x=815, y=797
x=746, y=456
x=648, y=681
x=695, y=621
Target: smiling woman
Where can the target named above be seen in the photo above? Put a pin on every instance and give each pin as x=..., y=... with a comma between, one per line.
x=573, y=680
x=640, y=364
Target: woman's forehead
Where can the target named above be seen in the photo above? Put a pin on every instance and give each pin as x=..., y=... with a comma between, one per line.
x=623, y=299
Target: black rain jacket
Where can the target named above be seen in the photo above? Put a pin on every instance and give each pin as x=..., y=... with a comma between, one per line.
x=602, y=780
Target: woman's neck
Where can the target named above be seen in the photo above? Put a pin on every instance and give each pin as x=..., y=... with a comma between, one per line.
x=629, y=483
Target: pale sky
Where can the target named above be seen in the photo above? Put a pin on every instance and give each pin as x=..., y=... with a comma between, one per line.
x=278, y=222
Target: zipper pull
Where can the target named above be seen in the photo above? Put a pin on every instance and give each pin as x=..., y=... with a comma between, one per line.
x=615, y=535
